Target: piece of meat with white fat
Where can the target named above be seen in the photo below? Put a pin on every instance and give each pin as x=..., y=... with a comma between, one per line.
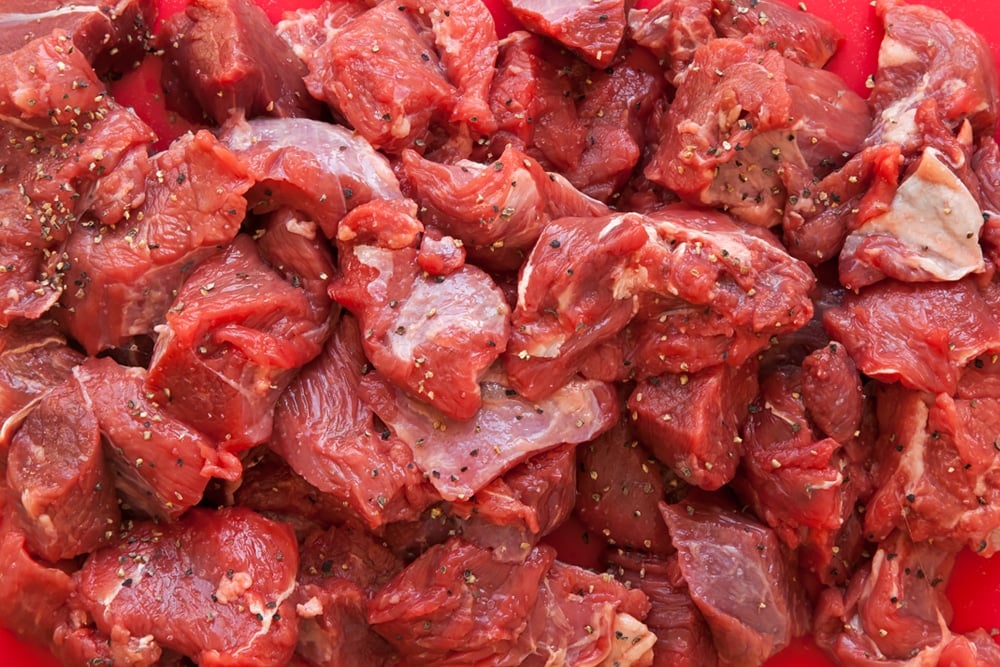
x=926, y=55
x=929, y=232
x=496, y=210
x=161, y=466
x=593, y=31
x=321, y=169
x=683, y=639
x=228, y=57
x=461, y=457
x=328, y=435
x=59, y=485
x=306, y=29
x=692, y=422
x=120, y=280
x=587, y=278
x=740, y=578
x=895, y=612
x=752, y=138
x=936, y=469
x=456, y=604
x=918, y=334
x=216, y=587
x=417, y=325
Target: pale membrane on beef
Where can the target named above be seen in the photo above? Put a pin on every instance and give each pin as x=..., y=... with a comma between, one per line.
x=935, y=220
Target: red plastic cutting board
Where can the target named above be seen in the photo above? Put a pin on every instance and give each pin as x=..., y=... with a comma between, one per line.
x=975, y=589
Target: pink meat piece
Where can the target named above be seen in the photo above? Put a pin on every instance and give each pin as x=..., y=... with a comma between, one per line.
x=594, y=31
x=692, y=423
x=798, y=35
x=740, y=578
x=120, y=280
x=319, y=169
x=936, y=469
x=415, y=324
x=461, y=457
x=619, y=486
x=216, y=587
x=587, y=278
x=918, y=334
x=161, y=465
x=497, y=210
x=328, y=435
x=59, y=485
x=752, y=139
x=226, y=54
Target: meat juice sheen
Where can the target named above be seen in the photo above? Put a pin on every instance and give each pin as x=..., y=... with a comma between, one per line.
x=975, y=586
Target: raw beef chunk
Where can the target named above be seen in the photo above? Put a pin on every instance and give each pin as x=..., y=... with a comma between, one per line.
x=740, y=578
x=919, y=334
x=496, y=210
x=224, y=355
x=216, y=587
x=58, y=483
x=161, y=465
x=593, y=30
x=587, y=278
x=673, y=30
x=457, y=605
x=320, y=169
x=415, y=324
x=831, y=391
x=797, y=35
x=34, y=357
x=462, y=456
x=620, y=485
x=692, y=422
x=936, y=469
x=228, y=56
x=749, y=140
x=397, y=78
x=120, y=279
x=328, y=435
x=51, y=181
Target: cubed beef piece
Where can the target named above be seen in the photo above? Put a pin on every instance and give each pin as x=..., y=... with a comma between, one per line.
x=692, y=422
x=672, y=30
x=236, y=334
x=320, y=169
x=417, y=325
x=831, y=391
x=594, y=30
x=927, y=56
x=228, y=56
x=161, y=465
x=740, y=577
x=798, y=35
x=619, y=488
x=216, y=587
x=120, y=280
x=58, y=483
x=936, y=469
x=918, y=334
x=34, y=357
x=328, y=435
x=749, y=140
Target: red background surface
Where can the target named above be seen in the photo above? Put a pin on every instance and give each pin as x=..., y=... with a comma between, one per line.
x=975, y=586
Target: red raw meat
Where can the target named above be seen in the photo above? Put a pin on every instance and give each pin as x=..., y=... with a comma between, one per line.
x=216, y=587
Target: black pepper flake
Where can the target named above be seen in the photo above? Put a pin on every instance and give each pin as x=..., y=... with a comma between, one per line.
x=554, y=243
